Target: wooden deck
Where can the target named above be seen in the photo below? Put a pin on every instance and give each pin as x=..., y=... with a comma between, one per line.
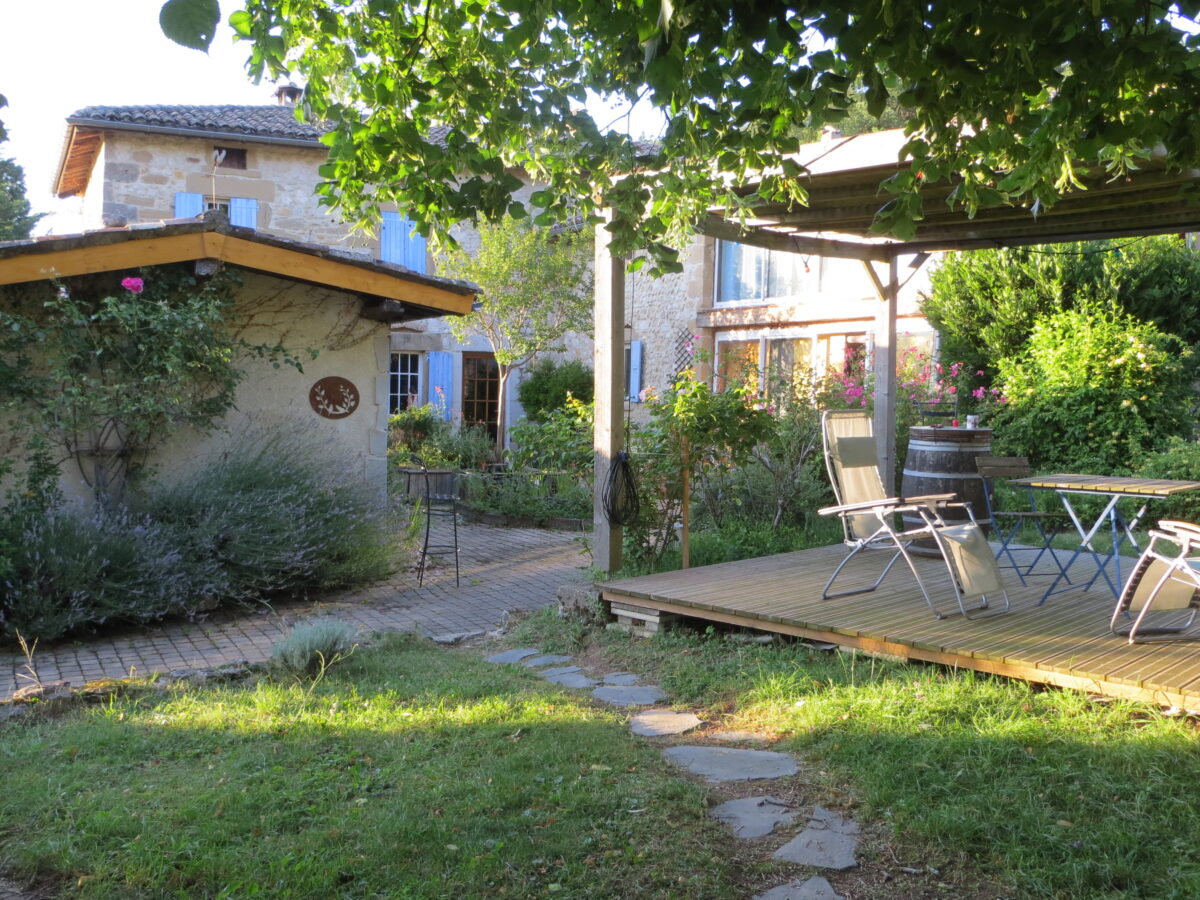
x=1066, y=642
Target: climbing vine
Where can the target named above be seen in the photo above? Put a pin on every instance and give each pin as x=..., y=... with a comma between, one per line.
x=105, y=366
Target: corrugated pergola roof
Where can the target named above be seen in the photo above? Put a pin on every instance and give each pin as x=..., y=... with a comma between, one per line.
x=845, y=194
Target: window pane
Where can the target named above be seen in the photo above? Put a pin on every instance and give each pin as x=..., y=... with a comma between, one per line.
x=738, y=364
x=786, y=274
x=405, y=381
x=789, y=365
x=740, y=272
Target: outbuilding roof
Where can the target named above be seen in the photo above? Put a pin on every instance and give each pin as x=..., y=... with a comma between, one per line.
x=269, y=124
x=390, y=293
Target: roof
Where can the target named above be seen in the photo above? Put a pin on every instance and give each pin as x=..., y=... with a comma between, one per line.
x=844, y=181
x=390, y=293
x=270, y=124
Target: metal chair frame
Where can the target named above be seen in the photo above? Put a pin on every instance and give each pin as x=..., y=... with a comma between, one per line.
x=437, y=506
x=1174, y=585
x=1007, y=523
x=861, y=534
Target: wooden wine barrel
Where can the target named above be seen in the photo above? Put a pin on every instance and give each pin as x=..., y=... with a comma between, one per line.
x=942, y=461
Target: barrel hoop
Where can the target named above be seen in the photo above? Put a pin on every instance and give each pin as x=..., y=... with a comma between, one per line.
x=957, y=476
x=955, y=448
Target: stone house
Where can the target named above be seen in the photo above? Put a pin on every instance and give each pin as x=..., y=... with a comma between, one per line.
x=302, y=296
x=742, y=304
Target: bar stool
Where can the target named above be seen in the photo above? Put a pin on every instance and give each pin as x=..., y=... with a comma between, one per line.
x=438, y=505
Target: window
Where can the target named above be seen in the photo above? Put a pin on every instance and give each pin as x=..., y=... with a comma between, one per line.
x=738, y=363
x=788, y=365
x=746, y=273
x=229, y=157
x=481, y=391
x=842, y=354
x=404, y=383
x=242, y=211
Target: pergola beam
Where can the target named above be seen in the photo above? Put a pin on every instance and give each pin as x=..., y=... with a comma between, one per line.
x=716, y=227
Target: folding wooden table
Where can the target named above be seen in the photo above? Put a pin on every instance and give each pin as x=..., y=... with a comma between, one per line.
x=1116, y=488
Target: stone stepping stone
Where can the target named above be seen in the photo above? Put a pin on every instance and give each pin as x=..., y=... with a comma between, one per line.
x=539, y=661
x=663, y=722
x=816, y=888
x=513, y=656
x=559, y=670
x=572, y=680
x=829, y=842
x=738, y=737
x=754, y=817
x=620, y=678
x=635, y=695
x=731, y=764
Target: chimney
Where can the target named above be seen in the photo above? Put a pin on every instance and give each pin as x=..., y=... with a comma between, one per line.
x=288, y=94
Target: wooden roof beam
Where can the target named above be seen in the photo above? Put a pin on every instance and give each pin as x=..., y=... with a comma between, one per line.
x=717, y=227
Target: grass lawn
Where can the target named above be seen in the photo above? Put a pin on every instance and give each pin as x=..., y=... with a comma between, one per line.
x=1044, y=790
x=410, y=771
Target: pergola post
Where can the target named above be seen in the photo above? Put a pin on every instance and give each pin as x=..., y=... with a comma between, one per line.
x=884, y=368
x=608, y=364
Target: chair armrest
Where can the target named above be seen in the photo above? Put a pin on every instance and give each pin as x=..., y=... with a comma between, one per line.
x=862, y=506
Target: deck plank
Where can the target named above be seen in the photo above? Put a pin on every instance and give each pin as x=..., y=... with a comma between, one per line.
x=1064, y=642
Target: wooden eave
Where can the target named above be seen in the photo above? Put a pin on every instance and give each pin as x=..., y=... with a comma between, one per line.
x=79, y=158
x=388, y=295
x=843, y=205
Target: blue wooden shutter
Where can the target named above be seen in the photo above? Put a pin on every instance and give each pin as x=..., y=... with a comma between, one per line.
x=635, y=371
x=399, y=244
x=188, y=206
x=441, y=381
x=243, y=211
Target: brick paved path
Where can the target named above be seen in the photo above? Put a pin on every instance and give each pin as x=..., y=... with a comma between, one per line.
x=502, y=569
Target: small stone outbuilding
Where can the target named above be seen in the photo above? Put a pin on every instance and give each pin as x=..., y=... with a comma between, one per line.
x=306, y=297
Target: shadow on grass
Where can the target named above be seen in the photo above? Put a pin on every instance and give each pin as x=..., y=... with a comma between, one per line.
x=409, y=772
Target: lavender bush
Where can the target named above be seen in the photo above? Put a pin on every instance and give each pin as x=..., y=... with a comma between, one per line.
x=273, y=516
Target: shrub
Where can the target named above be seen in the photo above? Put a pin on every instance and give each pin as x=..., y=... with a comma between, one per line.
x=280, y=515
x=69, y=569
x=1180, y=460
x=412, y=428
x=546, y=387
x=312, y=647
x=272, y=516
x=533, y=495
x=1094, y=390
x=561, y=442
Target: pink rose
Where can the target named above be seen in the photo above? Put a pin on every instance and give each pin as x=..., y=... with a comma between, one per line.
x=133, y=285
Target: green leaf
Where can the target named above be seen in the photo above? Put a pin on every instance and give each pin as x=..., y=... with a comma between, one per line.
x=192, y=23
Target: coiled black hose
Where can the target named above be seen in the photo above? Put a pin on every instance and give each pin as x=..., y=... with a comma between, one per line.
x=620, y=498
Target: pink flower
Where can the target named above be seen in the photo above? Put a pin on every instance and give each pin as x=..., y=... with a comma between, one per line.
x=979, y=371
x=133, y=285
x=978, y=393
x=952, y=389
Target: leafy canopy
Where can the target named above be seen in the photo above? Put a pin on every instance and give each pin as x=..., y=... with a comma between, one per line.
x=1011, y=97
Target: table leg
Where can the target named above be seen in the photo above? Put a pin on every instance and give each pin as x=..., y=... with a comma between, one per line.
x=1085, y=545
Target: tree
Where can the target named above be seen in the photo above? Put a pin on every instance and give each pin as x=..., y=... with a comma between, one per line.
x=1013, y=99
x=16, y=221
x=535, y=286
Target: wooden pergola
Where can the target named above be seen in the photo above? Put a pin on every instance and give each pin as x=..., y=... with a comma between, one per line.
x=844, y=183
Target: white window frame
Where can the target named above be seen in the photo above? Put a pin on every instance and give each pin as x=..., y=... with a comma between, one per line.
x=812, y=285
x=394, y=377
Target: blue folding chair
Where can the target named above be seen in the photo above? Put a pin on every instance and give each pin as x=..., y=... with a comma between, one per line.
x=1008, y=523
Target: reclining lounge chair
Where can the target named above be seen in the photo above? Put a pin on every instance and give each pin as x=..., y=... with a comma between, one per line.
x=1162, y=594
x=868, y=518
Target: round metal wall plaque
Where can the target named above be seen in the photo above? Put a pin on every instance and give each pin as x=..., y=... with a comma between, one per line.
x=333, y=397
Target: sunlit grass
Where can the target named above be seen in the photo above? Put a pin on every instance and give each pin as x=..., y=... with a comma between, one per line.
x=407, y=772
x=1060, y=794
